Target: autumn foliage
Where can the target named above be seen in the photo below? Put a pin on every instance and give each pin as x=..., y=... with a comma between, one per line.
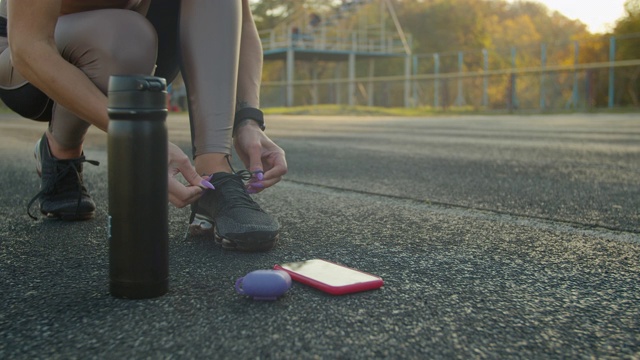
x=522, y=34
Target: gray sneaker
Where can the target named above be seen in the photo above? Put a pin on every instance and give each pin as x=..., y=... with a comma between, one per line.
x=62, y=191
x=232, y=217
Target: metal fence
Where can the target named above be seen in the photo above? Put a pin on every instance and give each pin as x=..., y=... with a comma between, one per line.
x=600, y=73
x=582, y=75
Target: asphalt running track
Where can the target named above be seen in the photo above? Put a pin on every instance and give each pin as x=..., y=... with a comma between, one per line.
x=497, y=237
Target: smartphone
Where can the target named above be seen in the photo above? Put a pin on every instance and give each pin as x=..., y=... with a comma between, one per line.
x=330, y=277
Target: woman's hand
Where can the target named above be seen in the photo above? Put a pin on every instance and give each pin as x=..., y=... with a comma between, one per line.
x=260, y=155
x=179, y=194
x=35, y=55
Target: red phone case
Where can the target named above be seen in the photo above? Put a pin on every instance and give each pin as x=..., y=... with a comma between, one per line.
x=370, y=284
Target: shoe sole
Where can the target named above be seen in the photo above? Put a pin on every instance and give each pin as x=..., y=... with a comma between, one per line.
x=62, y=216
x=205, y=227
x=69, y=216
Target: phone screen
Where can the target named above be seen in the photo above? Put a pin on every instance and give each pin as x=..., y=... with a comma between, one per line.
x=329, y=273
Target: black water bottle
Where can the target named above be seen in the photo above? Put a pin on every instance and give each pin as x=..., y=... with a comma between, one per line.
x=138, y=199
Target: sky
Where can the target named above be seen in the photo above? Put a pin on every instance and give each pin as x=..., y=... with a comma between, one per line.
x=599, y=15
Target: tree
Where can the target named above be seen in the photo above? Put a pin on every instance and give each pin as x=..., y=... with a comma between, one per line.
x=269, y=14
x=444, y=25
x=628, y=49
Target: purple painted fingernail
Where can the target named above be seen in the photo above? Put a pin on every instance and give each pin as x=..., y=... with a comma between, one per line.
x=207, y=184
x=259, y=175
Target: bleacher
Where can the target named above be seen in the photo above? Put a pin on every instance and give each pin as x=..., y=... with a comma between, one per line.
x=335, y=33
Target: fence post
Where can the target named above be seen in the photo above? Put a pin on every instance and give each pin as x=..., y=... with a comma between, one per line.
x=323, y=37
x=543, y=64
x=338, y=85
x=460, y=97
x=407, y=81
x=272, y=39
x=352, y=79
x=589, y=89
x=576, y=52
x=415, y=82
x=612, y=81
x=290, y=71
x=512, y=82
x=372, y=65
x=485, y=80
x=314, y=76
x=436, y=81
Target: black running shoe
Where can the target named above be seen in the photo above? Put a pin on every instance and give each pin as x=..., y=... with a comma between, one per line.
x=62, y=192
x=230, y=215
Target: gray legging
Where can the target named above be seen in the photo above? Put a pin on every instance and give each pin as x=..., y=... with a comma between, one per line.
x=118, y=41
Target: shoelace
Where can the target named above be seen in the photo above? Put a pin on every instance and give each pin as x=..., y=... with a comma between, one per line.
x=238, y=196
x=61, y=174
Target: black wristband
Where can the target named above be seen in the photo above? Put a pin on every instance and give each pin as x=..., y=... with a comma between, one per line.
x=248, y=113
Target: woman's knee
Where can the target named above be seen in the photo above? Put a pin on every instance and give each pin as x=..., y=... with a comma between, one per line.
x=134, y=44
x=106, y=42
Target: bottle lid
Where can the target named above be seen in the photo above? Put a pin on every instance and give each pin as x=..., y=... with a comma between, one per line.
x=131, y=93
